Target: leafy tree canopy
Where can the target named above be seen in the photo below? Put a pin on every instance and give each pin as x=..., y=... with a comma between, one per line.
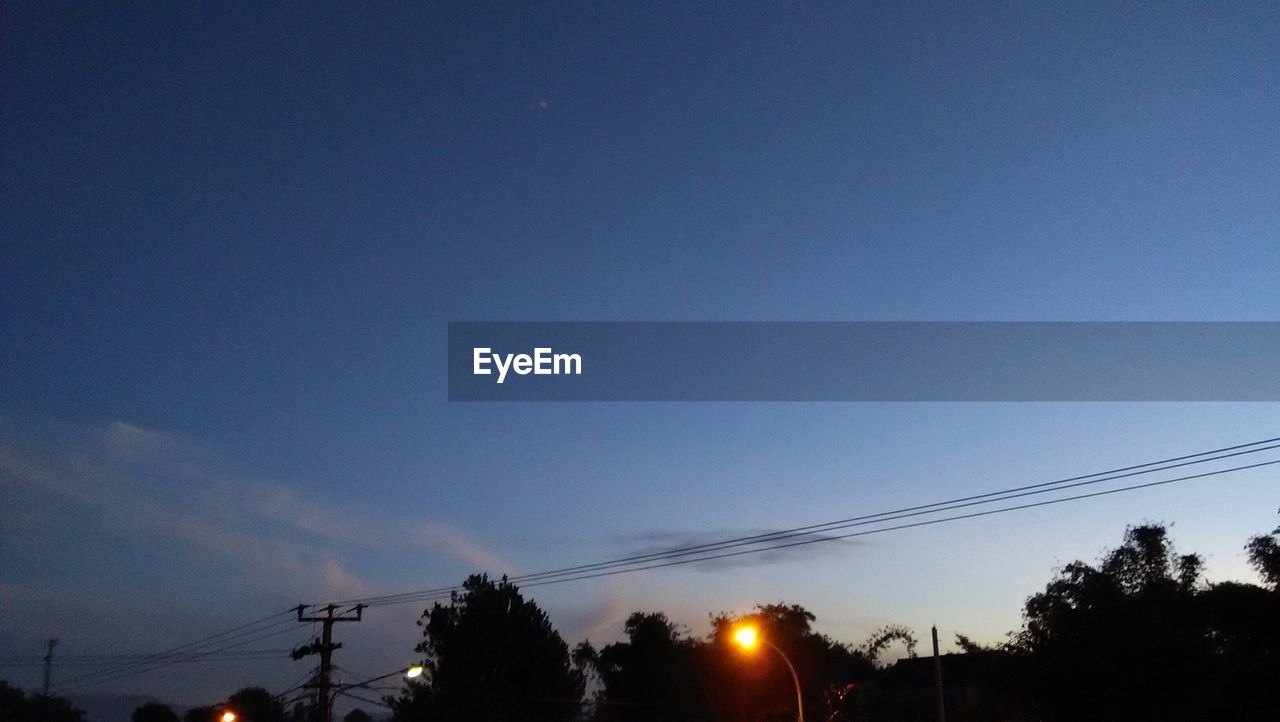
x=255, y=704
x=1264, y=554
x=17, y=706
x=154, y=712
x=1140, y=636
x=357, y=715
x=492, y=656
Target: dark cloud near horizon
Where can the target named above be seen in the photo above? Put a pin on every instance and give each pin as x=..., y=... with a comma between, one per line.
x=760, y=553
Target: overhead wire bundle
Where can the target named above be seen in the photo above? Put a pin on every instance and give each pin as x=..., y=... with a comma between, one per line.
x=213, y=647
x=927, y=515
x=95, y=660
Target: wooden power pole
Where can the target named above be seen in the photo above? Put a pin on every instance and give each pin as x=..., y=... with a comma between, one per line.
x=48, y=665
x=937, y=674
x=325, y=649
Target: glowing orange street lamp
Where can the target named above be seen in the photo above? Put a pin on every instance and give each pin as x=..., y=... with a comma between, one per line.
x=748, y=638
x=228, y=716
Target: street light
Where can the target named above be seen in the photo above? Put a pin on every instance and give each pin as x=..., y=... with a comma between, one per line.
x=411, y=672
x=747, y=637
x=228, y=716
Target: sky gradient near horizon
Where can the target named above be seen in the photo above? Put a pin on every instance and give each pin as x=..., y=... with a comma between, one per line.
x=231, y=238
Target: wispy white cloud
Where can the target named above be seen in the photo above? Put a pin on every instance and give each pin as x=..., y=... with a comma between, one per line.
x=443, y=536
x=161, y=485
x=602, y=620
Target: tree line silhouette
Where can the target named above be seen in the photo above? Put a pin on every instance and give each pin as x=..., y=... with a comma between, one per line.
x=1138, y=635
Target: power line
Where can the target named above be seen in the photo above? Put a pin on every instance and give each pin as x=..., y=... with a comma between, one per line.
x=365, y=699
x=757, y=538
x=203, y=649
x=927, y=522
x=97, y=659
x=326, y=649
x=300, y=683
x=183, y=660
x=912, y=525
x=810, y=539
x=251, y=630
x=163, y=661
x=641, y=561
x=124, y=671
x=163, y=664
x=198, y=644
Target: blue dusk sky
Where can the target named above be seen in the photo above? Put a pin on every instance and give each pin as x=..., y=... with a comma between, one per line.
x=231, y=238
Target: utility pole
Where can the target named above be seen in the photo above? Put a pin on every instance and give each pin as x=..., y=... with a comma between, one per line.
x=48, y=665
x=325, y=649
x=937, y=674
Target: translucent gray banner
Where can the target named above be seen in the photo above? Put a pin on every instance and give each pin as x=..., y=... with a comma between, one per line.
x=879, y=361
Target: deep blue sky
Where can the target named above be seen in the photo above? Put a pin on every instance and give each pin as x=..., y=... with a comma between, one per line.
x=232, y=237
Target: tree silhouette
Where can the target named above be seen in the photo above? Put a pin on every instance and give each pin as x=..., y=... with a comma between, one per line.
x=1138, y=634
x=1141, y=636
x=492, y=656
x=968, y=646
x=825, y=667
x=883, y=637
x=255, y=704
x=154, y=712
x=655, y=674
x=357, y=715
x=305, y=711
x=16, y=706
x=660, y=674
x=1264, y=554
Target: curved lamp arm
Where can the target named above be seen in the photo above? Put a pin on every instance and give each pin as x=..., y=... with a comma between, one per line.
x=795, y=678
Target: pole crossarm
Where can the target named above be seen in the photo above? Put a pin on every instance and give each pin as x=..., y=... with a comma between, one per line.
x=332, y=613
